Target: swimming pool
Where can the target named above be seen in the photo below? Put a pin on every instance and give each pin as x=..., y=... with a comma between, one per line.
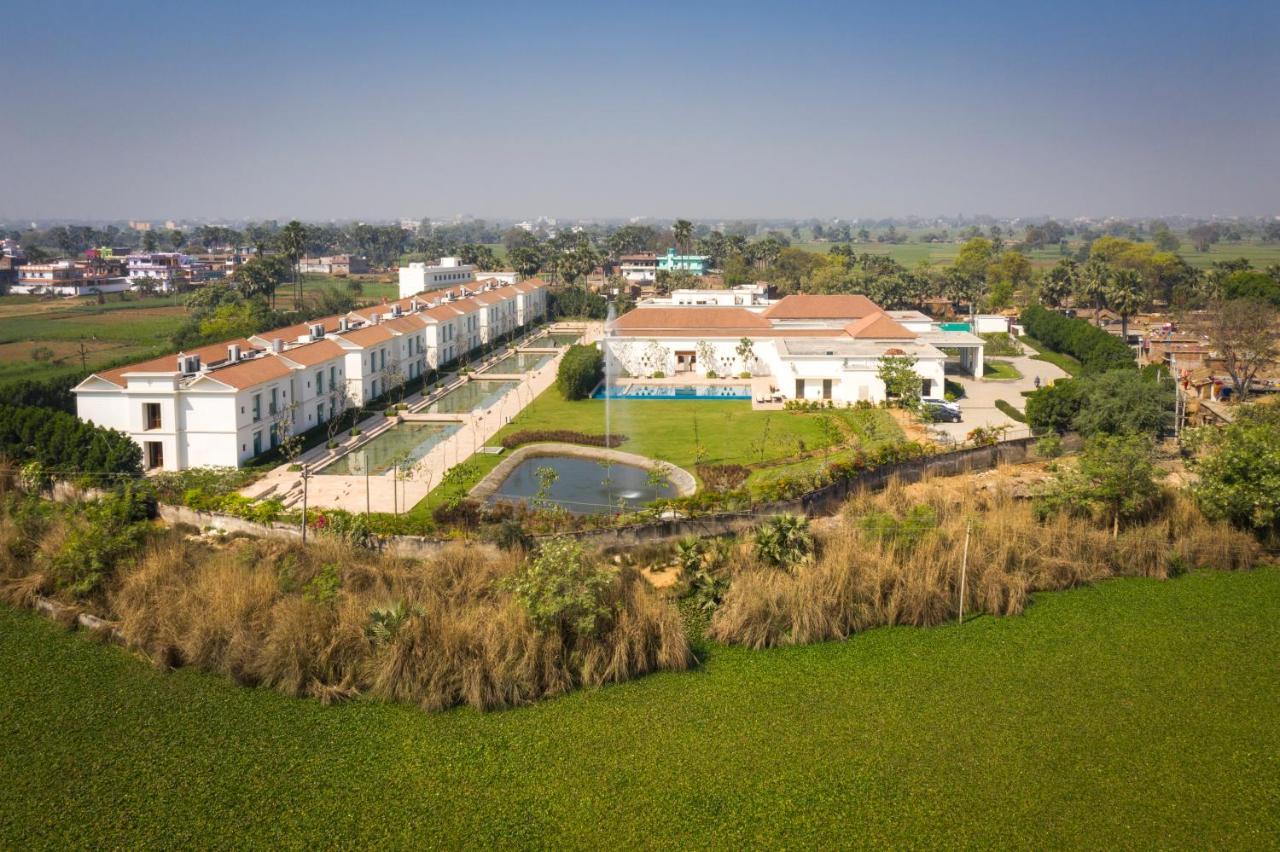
x=639, y=391
x=404, y=442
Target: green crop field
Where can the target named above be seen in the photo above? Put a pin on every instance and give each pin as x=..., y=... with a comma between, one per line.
x=1134, y=714
x=111, y=331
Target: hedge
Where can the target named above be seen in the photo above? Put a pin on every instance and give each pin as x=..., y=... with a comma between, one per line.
x=581, y=369
x=1096, y=350
x=64, y=444
x=561, y=436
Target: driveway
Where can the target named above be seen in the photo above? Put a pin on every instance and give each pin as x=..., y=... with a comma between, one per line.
x=979, y=403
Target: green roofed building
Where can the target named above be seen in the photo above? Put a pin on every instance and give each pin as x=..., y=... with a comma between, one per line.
x=696, y=264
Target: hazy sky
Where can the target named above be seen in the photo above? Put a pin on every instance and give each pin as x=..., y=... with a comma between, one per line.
x=713, y=110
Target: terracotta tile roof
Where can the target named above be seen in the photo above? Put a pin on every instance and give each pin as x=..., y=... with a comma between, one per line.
x=369, y=335
x=310, y=354
x=529, y=285
x=441, y=313
x=291, y=333
x=803, y=306
x=247, y=374
x=210, y=354
x=691, y=319
x=878, y=326
x=405, y=324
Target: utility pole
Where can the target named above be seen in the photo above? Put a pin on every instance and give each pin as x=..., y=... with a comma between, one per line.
x=964, y=566
x=305, y=477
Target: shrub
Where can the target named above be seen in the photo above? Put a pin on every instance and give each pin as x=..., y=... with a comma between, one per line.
x=563, y=590
x=723, y=477
x=580, y=370
x=1009, y=411
x=784, y=540
x=563, y=436
x=1050, y=446
x=1001, y=344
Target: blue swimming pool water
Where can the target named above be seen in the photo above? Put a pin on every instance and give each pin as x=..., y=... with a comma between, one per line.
x=637, y=391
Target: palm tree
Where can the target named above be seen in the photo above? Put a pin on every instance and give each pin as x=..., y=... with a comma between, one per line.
x=784, y=540
x=1095, y=278
x=1126, y=296
x=293, y=242
x=1059, y=282
x=683, y=230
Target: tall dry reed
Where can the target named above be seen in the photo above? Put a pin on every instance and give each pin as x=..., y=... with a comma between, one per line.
x=905, y=568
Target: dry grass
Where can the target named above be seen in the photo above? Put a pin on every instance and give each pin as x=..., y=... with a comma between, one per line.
x=299, y=620
x=864, y=579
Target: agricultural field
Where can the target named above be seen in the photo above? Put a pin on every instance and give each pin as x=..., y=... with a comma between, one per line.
x=42, y=339
x=913, y=254
x=1134, y=713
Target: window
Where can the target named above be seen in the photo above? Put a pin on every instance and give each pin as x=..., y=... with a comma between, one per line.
x=320, y=413
x=319, y=382
x=333, y=377
x=257, y=411
x=150, y=415
x=271, y=409
x=155, y=454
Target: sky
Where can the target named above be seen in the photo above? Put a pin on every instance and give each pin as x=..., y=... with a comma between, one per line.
x=325, y=110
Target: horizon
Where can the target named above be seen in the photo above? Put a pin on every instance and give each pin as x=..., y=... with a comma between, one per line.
x=1121, y=111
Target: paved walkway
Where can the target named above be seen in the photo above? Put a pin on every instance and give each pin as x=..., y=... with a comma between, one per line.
x=979, y=404
x=382, y=492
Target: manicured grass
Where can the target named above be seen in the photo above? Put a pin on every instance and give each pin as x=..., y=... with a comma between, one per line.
x=729, y=431
x=1000, y=371
x=1043, y=353
x=1136, y=713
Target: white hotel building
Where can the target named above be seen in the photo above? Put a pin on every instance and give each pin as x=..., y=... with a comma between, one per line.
x=813, y=347
x=223, y=404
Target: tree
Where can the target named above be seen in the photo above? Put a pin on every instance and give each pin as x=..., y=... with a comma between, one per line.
x=576, y=263
x=901, y=381
x=1123, y=402
x=1095, y=278
x=1245, y=336
x=150, y=241
x=1252, y=284
x=1202, y=236
x=746, y=352
x=261, y=276
x=526, y=260
x=1238, y=469
x=292, y=241
x=1126, y=297
x=1055, y=406
x=682, y=230
x=1115, y=477
x=1059, y=283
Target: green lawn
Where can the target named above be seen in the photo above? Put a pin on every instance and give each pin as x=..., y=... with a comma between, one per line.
x=1058, y=359
x=1134, y=714
x=1000, y=370
x=729, y=431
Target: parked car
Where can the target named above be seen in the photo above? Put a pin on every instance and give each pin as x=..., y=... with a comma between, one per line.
x=940, y=411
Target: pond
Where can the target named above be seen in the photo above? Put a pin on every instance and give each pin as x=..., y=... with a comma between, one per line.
x=560, y=338
x=638, y=391
x=478, y=393
x=520, y=362
x=580, y=485
x=404, y=441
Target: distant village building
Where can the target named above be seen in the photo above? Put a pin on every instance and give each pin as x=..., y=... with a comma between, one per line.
x=166, y=271
x=421, y=277
x=340, y=264
x=71, y=278
x=694, y=264
x=139, y=225
x=639, y=268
